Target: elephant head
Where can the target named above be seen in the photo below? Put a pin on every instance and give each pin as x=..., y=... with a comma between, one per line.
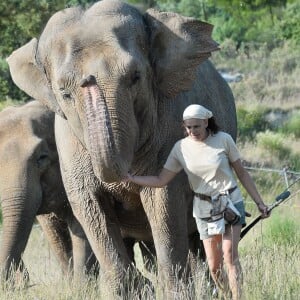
x=109, y=72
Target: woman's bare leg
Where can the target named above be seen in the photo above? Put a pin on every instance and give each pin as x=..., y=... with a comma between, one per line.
x=231, y=240
x=214, y=256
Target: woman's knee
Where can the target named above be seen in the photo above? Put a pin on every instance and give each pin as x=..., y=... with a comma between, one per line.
x=216, y=269
x=230, y=259
x=215, y=263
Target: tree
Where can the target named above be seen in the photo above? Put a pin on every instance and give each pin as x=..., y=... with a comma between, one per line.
x=289, y=26
x=20, y=21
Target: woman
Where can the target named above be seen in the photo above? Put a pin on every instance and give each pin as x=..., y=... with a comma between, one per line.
x=209, y=156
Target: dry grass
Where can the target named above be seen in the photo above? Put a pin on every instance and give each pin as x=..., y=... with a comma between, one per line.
x=270, y=78
x=270, y=272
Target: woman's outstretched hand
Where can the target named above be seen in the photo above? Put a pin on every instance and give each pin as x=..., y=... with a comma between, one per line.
x=264, y=210
x=128, y=178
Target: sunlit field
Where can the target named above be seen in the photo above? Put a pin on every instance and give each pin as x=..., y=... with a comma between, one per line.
x=269, y=256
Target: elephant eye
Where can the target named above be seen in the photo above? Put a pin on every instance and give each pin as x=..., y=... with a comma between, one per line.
x=136, y=76
x=65, y=94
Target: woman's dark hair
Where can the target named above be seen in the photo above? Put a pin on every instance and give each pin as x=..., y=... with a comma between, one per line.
x=212, y=125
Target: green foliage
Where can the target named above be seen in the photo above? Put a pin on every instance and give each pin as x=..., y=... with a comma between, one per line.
x=192, y=8
x=7, y=88
x=144, y=4
x=273, y=142
x=256, y=21
x=289, y=26
x=281, y=230
x=20, y=21
x=10, y=102
x=292, y=125
x=237, y=5
x=260, y=21
x=4, y=78
x=294, y=161
x=269, y=184
x=226, y=27
x=250, y=122
x=198, y=9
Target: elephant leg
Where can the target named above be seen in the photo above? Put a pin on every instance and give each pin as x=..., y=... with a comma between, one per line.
x=58, y=236
x=117, y=272
x=166, y=210
x=84, y=260
x=17, y=224
x=93, y=208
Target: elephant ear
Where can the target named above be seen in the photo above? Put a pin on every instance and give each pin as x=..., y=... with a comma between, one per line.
x=178, y=45
x=31, y=78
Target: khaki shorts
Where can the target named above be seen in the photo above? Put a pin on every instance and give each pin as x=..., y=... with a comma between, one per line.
x=202, y=224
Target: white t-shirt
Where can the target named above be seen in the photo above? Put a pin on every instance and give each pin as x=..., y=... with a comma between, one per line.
x=206, y=163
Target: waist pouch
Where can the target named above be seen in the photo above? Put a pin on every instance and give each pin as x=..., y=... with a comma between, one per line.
x=216, y=221
x=220, y=206
x=231, y=214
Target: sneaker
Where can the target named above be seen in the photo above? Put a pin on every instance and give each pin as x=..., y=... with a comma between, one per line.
x=214, y=293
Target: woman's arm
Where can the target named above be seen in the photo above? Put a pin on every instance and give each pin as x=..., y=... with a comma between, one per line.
x=164, y=177
x=249, y=185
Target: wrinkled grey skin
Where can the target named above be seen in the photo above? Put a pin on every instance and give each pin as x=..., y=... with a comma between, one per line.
x=119, y=81
x=31, y=186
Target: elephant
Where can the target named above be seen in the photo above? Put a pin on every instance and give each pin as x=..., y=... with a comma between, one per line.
x=31, y=186
x=118, y=80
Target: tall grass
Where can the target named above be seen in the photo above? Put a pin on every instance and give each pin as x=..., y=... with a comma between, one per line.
x=270, y=257
x=269, y=77
x=282, y=231
x=274, y=143
x=271, y=271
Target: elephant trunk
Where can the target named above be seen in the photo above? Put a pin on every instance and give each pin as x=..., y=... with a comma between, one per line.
x=17, y=223
x=101, y=144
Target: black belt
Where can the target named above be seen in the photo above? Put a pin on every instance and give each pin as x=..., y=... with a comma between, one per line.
x=208, y=198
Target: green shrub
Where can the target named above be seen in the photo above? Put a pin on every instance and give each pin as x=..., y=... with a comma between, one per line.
x=250, y=122
x=228, y=49
x=292, y=126
x=281, y=230
x=274, y=143
x=8, y=90
x=289, y=26
x=289, y=65
x=294, y=162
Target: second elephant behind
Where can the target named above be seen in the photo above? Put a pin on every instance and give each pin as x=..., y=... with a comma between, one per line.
x=31, y=186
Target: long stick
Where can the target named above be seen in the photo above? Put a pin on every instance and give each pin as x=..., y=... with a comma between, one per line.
x=279, y=199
